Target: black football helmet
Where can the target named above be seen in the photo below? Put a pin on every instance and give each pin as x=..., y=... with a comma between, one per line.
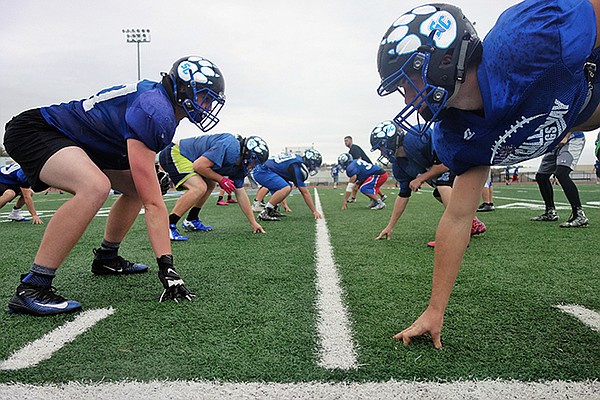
x=254, y=151
x=344, y=160
x=312, y=159
x=198, y=87
x=428, y=49
x=386, y=137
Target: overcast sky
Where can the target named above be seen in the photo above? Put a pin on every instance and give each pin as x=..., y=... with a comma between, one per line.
x=297, y=73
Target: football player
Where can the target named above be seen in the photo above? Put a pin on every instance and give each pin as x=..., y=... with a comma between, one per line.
x=13, y=183
x=413, y=163
x=366, y=176
x=501, y=102
x=279, y=173
x=560, y=162
x=108, y=140
x=197, y=164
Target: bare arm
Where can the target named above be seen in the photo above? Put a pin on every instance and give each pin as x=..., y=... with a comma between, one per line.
x=309, y=202
x=451, y=242
x=27, y=195
x=141, y=160
x=203, y=166
x=244, y=203
x=433, y=172
x=399, y=207
x=348, y=192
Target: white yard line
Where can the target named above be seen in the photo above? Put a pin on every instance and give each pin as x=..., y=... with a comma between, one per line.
x=43, y=348
x=184, y=390
x=337, y=349
x=589, y=317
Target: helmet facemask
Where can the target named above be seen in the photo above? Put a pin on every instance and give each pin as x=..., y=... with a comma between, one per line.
x=203, y=109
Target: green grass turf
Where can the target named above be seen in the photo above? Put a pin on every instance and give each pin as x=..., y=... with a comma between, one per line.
x=254, y=317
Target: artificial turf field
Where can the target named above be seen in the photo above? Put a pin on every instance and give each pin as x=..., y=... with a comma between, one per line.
x=254, y=316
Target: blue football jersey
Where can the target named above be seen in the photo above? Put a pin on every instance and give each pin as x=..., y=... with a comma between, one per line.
x=363, y=170
x=419, y=158
x=532, y=84
x=13, y=175
x=288, y=166
x=102, y=123
x=223, y=149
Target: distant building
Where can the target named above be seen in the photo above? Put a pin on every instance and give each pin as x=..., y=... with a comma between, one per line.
x=296, y=150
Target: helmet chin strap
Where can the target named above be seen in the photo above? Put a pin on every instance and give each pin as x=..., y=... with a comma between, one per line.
x=461, y=69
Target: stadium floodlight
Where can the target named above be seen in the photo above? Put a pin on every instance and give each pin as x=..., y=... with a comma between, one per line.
x=137, y=36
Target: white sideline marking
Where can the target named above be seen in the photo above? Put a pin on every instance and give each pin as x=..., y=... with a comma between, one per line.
x=43, y=348
x=486, y=389
x=588, y=317
x=333, y=326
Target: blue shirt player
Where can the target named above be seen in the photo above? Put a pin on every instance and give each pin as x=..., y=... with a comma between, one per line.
x=367, y=176
x=13, y=183
x=197, y=164
x=109, y=140
x=282, y=171
x=413, y=163
x=506, y=100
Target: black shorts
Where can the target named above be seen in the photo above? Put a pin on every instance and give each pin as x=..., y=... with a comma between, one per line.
x=445, y=179
x=4, y=187
x=31, y=141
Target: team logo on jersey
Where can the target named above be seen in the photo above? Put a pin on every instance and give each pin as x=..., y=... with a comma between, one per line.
x=197, y=68
x=442, y=22
x=468, y=134
x=536, y=144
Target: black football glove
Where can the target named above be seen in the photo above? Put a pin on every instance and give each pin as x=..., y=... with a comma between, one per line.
x=171, y=281
x=164, y=180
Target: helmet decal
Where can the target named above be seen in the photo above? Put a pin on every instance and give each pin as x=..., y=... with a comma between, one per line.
x=444, y=25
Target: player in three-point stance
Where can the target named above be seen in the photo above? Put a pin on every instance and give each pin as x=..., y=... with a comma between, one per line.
x=13, y=183
x=279, y=173
x=368, y=177
x=413, y=163
x=501, y=102
x=198, y=163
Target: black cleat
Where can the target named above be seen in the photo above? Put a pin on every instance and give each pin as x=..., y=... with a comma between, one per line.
x=115, y=265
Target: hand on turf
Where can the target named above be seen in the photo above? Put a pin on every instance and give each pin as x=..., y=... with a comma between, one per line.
x=256, y=227
x=386, y=233
x=430, y=322
x=36, y=220
x=227, y=185
x=173, y=285
x=345, y=206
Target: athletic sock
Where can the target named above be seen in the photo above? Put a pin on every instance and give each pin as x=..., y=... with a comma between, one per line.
x=193, y=214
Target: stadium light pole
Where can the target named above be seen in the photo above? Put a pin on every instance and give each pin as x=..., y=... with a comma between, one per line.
x=137, y=36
